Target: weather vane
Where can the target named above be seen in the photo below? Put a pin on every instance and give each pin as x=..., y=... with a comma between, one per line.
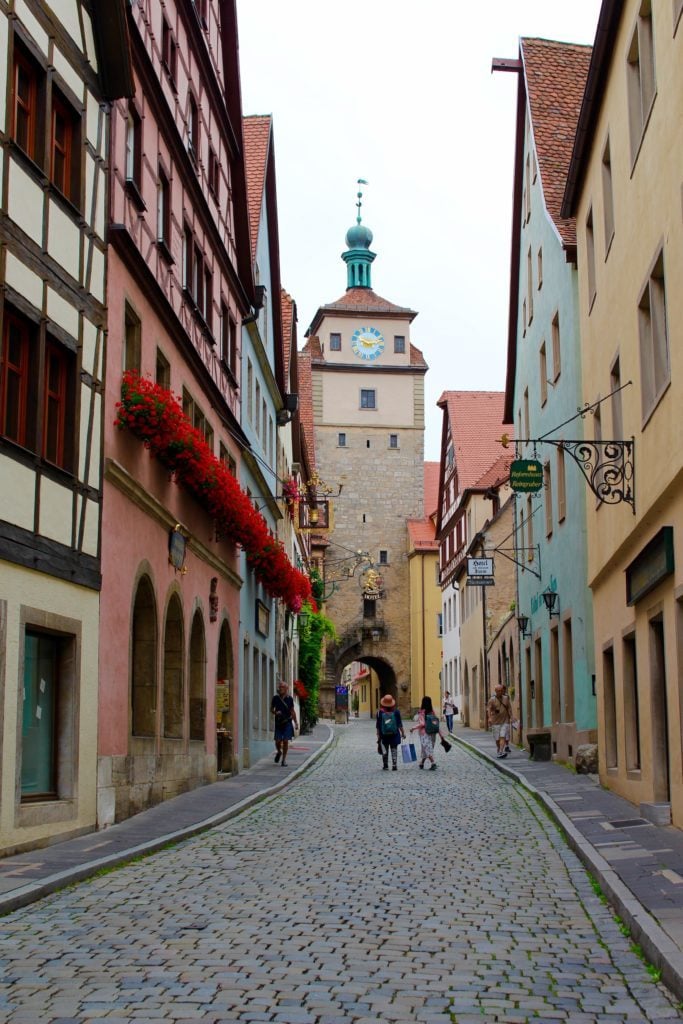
x=361, y=181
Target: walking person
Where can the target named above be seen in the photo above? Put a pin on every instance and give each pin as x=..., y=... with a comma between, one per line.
x=449, y=710
x=427, y=729
x=282, y=706
x=499, y=715
x=389, y=731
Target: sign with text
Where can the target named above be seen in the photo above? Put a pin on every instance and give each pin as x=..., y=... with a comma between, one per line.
x=481, y=581
x=526, y=475
x=480, y=567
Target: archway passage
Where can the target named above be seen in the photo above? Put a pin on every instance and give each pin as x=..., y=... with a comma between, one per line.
x=374, y=679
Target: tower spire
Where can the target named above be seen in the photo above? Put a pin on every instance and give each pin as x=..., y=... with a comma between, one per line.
x=358, y=257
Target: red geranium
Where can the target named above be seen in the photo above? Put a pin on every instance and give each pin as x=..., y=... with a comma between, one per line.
x=156, y=416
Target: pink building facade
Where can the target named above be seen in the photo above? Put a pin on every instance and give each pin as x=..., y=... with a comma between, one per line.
x=179, y=286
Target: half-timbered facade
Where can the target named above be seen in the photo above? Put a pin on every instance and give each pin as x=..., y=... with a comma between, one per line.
x=180, y=284
x=60, y=66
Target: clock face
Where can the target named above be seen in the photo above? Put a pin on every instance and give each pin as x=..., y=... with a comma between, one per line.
x=367, y=342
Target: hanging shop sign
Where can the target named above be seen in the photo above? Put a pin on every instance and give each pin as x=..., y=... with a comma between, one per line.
x=480, y=567
x=481, y=581
x=654, y=563
x=526, y=475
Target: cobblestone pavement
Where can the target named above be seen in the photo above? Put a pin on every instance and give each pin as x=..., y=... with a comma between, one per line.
x=354, y=895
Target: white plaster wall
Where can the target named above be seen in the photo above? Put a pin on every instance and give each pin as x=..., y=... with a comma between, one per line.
x=25, y=203
x=56, y=503
x=63, y=240
x=62, y=313
x=24, y=280
x=17, y=493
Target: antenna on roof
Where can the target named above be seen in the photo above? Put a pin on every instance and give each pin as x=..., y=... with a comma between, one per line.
x=361, y=181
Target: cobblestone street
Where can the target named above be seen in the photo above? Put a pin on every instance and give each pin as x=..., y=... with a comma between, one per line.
x=354, y=895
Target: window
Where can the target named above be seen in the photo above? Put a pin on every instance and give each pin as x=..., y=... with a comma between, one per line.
x=207, y=311
x=557, y=353
x=132, y=340
x=590, y=259
x=367, y=398
x=383, y=557
x=227, y=459
x=188, y=250
x=527, y=191
x=607, y=197
x=341, y=440
x=65, y=148
x=641, y=76
x=214, y=173
x=561, y=487
x=22, y=404
x=335, y=342
x=524, y=320
x=529, y=286
x=543, y=369
x=195, y=415
x=548, y=491
x=228, y=339
x=133, y=147
x=526, y=412
x=28, y=87
x=539, y=267
x=654, y=343
x=439, y=623
x=393, y=440
x=250, y=390
x=616, y=403
x=257, y=408
x=168, y=51
x=193, y=129
x=163, y=370
x=164, y=211
x=399, y=344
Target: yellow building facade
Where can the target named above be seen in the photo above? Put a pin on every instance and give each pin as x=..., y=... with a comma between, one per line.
x=625, y=190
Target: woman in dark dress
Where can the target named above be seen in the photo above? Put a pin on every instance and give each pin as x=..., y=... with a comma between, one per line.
x=282, y=706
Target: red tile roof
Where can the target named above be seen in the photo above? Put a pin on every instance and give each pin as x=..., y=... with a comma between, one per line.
x=287, y=303
x=431, y=484
x=497, y=473
x=256, y=131
x=361, y=300
x=306, y=403
x=476, y=422
x=555, y=75
x=422, y=534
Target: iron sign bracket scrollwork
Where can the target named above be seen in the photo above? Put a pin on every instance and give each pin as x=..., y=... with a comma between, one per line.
x=608, y=467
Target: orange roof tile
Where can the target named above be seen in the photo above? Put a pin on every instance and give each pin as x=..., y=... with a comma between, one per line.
x=476, y=423
x=555, y=75
x=422, y=534
x=431, y=485
x=361, y=300
x=256, y=131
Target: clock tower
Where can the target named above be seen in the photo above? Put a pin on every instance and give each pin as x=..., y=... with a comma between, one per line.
x=368, y=415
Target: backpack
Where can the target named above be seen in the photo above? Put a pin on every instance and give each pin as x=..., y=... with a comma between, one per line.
x=431, y=723
x=387, y=724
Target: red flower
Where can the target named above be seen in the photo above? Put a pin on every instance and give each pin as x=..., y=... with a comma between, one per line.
x=155, y=416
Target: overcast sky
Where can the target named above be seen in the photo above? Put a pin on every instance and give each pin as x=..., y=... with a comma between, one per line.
x=401, y=94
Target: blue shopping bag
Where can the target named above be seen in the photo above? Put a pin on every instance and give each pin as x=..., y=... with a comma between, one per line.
x=408, y=752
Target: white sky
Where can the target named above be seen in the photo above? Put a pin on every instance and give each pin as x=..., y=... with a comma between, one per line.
x=401, y=94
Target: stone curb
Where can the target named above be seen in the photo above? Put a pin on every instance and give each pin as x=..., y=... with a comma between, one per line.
x=33, y=891
x=658, y=947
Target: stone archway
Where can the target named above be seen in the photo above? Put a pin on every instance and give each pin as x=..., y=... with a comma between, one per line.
x=388, y=680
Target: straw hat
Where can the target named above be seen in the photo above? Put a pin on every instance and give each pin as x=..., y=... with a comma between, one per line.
x=387, y=701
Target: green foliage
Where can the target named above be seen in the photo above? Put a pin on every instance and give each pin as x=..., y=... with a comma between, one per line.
x=314, y=628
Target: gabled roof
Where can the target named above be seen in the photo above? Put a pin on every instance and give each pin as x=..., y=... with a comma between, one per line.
x=476, y=423
x=360, y=300
x=431, y=486
x=256, y=132
x=555, y=75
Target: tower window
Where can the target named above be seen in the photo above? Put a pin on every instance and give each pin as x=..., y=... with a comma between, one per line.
x=341, y=440
x=383, y=556
x=393, y=440
x=368, y=399
x=399, y=343
x=335, y=343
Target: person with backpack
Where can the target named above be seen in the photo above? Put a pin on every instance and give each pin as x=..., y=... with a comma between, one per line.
x=389, y=731
x=428, y=726
x=450, y=710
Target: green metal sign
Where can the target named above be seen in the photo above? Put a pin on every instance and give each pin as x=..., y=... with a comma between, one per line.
x=526, y=475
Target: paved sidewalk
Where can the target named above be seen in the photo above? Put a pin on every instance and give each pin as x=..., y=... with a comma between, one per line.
x=27, y=877
x=638, y=865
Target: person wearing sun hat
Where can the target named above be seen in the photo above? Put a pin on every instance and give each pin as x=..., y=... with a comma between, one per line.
x=389, y=731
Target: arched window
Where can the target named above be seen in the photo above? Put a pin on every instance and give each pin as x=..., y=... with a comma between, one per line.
x=173, y=670
x=144, y=661
x=197, y=678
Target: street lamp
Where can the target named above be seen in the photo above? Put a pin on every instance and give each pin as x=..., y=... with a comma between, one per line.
x=550, y=600
x=523, y=622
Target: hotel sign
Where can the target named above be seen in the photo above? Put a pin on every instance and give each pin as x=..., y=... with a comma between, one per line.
x=526, y=475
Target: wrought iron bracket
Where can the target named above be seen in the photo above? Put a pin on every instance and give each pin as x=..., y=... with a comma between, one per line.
x=608, y=467
x=526, y=566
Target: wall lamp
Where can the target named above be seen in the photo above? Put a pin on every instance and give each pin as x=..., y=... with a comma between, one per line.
x=550, y=600
x=523, y=623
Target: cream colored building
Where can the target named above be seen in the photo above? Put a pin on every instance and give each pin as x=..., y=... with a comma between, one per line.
x=426, y=619
x=624, y=188
x=58, y=71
